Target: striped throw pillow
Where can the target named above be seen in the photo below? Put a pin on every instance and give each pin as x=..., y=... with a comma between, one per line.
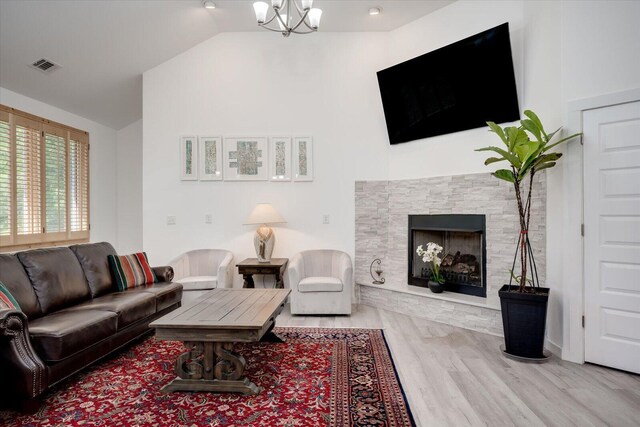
x=7, y=300
x=131, y=271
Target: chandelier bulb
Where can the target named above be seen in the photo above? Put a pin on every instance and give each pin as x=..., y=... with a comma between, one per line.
x=314, y=18
x=260, y=8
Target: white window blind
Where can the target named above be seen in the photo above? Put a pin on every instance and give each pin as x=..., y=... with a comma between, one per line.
x=28, y=146
x=5, y=176
x=44, y=181
x=55, y=179
x=79, y=185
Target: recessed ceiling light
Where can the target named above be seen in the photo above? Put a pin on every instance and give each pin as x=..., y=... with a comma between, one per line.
x=375, y=11
x=208, y=4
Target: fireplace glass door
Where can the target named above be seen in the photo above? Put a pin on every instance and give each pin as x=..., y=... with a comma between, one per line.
x=463, y=255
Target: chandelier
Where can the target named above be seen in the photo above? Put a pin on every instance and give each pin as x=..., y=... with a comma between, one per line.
x=307, y=16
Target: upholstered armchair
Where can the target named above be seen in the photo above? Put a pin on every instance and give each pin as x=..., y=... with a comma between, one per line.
x=321, y=282
x=204, y=269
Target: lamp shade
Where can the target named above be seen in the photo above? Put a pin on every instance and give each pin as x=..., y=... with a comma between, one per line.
x=264, y=213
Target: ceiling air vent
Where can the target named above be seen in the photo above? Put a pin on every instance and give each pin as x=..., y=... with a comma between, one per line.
x=45, y=65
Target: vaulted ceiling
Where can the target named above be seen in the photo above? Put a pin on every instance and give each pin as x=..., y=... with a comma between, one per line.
x=105, y=46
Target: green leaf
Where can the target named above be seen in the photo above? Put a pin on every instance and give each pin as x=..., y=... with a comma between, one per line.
x=534, y=118
x=551, y=157
x=510, y=157
x=521, y=138
x=498, y=130
x=549, y=147
x=526, y=149
x=552, y=134
x=545, y=166
x=527, y=153
x=504, y=174
x=532, y=128
x=512, y=136
x=493, y=160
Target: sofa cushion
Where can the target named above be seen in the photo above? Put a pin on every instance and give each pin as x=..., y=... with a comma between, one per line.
x=131, y=271
x=56, y=276
x=64, y=333
x=14, y=277
x=129, y=307
x=94, y=263
x=320, y=284
x=167, y=294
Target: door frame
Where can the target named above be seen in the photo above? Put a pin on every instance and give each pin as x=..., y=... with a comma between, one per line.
x=573, y=298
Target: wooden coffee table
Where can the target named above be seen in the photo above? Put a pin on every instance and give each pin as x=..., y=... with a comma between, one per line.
x=210, y=327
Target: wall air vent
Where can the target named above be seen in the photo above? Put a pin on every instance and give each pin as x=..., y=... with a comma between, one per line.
x=45, y=65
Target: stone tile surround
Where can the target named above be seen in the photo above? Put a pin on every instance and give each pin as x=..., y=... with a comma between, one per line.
x=381, y=212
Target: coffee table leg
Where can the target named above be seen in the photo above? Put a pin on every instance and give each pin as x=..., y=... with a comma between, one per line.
x=211, y=366
x=270, y=336
x=190, y=365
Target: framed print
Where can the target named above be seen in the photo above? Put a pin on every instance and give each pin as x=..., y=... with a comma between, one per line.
x=189, y=158
x=280, y=158
x=303, y=158
x=245, y=158
x=210, y=155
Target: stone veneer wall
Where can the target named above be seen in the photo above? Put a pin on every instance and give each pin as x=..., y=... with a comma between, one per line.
x=382, y=209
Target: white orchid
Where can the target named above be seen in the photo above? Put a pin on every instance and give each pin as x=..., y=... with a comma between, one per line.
x=431, y=255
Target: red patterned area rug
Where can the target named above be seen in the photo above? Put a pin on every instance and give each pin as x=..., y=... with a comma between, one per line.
x=318, y=377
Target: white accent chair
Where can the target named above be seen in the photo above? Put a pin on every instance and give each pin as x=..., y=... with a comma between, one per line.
x=201, y=270
x=321, y=282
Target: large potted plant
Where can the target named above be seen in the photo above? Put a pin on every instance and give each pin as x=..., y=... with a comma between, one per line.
x=527, y=150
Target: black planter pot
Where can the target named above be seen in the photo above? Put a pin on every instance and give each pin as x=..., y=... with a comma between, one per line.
x=524, y=316
x=435, y=287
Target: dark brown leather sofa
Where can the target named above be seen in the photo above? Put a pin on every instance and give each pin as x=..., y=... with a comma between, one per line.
x=72, y=315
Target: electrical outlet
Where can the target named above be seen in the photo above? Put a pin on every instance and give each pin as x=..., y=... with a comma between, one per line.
x=208, y=219
x=326, y=219
x=171, y=220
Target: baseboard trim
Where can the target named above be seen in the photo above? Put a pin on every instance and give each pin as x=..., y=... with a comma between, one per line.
x=554, y=348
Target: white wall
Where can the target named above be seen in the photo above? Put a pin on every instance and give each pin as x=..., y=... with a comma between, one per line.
x=324, y=85
x=240, y=84
x=102, y=159
x=600, y=45
x=451, y=154
x=129, y=188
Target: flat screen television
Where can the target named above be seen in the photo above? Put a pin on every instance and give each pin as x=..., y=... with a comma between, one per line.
x=457, y=87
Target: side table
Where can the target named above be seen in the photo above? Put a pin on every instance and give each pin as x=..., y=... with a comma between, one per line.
x=251, y=266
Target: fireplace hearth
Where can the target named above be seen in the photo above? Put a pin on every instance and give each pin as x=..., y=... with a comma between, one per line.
x=464, y=251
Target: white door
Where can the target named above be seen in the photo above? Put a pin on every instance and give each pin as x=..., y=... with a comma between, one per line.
x=612, y=236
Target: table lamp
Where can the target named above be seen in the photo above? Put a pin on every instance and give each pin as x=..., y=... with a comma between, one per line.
x=264, y=239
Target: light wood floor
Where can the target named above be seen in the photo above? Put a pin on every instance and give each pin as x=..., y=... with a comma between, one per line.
x=457, y=377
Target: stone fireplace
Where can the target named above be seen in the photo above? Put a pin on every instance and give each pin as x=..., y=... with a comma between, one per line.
x=463, y=256
x=382, y=230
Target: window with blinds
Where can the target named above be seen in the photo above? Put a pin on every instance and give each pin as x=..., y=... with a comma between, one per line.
x=44, y=181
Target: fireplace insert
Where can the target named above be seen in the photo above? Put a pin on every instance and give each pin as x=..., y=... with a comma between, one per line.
x=464, y=251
